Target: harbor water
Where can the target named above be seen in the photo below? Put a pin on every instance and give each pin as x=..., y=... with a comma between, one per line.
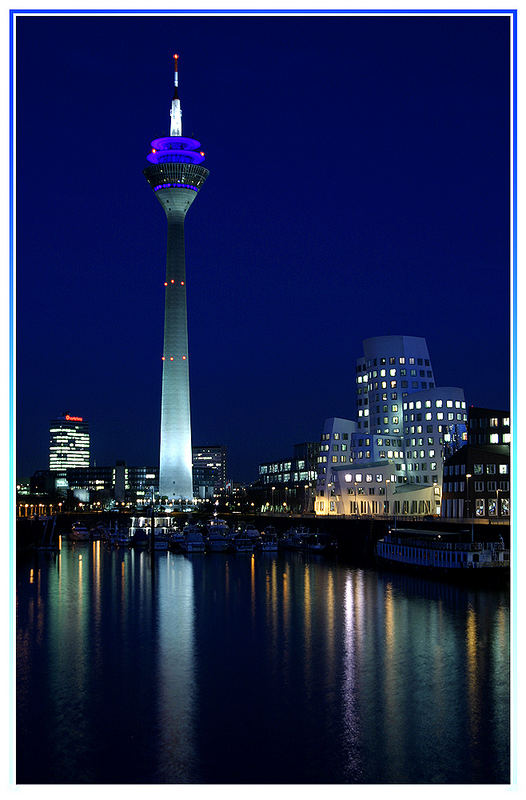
x=265, y=668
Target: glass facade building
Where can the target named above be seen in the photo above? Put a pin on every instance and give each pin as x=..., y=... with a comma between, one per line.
x=69, y=443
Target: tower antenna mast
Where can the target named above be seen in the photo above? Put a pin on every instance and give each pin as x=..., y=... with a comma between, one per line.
x=176, y=116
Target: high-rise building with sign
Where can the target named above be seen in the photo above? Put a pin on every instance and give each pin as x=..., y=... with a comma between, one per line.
x=176, y=176
x=69, y=443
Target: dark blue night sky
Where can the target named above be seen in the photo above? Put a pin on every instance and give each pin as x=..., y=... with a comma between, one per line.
x=359, y=186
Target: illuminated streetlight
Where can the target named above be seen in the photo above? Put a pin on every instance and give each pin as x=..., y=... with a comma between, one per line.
x=467, y=499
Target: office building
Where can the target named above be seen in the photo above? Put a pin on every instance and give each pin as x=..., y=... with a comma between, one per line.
x=406, y=426
x=175, y=175
x=288, y=484
x=69, y=443
x=209, y=467
x=477, y=477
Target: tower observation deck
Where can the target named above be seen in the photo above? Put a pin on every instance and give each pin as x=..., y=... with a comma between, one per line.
x=176, y=176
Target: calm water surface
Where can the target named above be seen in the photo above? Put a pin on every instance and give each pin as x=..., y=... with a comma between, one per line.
x=274, y=669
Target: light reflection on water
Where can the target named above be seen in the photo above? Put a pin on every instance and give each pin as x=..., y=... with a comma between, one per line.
x=278, y=668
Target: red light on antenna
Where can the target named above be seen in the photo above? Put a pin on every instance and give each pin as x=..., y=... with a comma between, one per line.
x=154, y=150
x=201, y=153
x=176, y=56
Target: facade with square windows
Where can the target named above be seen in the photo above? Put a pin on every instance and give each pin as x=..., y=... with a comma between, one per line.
x=435, y=426
x=477, y=483
x=371, y=489
x=488, y=426
x=289, y=484
x=405, y=424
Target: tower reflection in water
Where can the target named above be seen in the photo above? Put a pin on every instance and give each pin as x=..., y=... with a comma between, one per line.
x=277, y=668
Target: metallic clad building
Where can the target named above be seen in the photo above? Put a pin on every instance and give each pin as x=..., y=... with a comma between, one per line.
x=175, y=175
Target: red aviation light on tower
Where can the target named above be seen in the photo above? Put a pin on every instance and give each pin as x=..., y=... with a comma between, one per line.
x=73, y=419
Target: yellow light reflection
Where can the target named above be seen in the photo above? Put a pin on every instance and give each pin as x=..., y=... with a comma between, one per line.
x=389, y=621
x=330, y=624
x=471, y=654
x=308, y=626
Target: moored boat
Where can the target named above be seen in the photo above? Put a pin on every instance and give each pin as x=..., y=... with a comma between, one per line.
x=443, y=553
x=193, y=540
x=219, y=538
x=243, y=544
x=315, y=542
x=269, y=544
x=79, y=532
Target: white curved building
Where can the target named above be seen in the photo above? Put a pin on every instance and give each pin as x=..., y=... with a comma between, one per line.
x=406, y=427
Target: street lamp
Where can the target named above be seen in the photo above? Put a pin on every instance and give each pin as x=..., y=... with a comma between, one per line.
x=468, y=476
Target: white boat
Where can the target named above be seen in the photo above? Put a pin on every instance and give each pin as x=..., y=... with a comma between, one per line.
x=442, y=552
x=79, y=532
x=193, y=540
x=251, y=533
x=219, y=538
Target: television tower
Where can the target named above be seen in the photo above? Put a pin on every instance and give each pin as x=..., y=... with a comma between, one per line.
x=176, y=177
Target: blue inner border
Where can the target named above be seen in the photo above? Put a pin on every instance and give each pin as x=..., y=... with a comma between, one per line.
x=512, y=13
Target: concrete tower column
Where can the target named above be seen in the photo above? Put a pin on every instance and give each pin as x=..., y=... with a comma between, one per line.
x=175, y=176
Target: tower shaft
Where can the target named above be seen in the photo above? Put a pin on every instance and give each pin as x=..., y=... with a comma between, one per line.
x=176, y=186
x=175, y=473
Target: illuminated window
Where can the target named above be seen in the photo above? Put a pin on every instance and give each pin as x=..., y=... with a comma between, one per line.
x=494, y=438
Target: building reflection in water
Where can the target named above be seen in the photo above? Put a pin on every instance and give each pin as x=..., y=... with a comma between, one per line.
x=329, y=627
x=176, y=669
x=472, y=675
x=307, y=638
x=278, y=668
x=351, y=598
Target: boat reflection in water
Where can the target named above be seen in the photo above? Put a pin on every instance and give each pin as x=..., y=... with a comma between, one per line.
x=264, y=668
